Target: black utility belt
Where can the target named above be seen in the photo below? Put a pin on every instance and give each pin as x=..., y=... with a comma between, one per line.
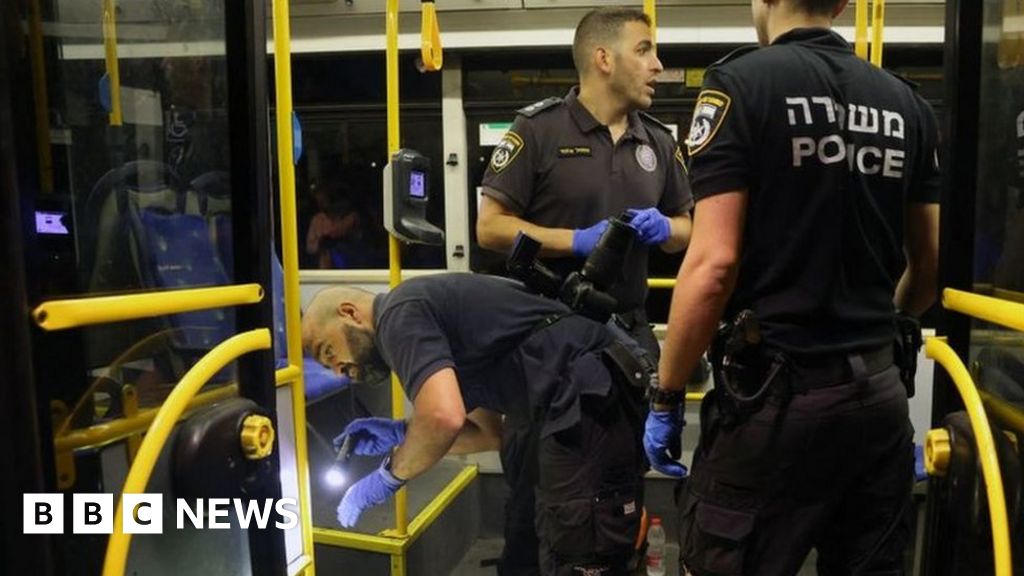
x=827, y=370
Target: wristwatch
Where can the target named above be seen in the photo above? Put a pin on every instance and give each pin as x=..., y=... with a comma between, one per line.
x=664, y=397
x=385, y=466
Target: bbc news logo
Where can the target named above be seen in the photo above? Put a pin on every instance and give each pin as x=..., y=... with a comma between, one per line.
x=144, y=514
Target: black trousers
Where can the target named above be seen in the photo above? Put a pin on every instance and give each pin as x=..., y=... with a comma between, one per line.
x=519, y=456
x=832, y=469
x=580, y=489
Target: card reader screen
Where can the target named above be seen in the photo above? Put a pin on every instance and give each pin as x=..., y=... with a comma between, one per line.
x=416, y=184
x=50, y=223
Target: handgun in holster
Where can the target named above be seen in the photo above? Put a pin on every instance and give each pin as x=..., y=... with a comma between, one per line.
x=743, y=373
x=906, y=348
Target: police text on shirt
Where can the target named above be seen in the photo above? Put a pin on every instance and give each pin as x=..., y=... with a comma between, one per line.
x=850, y=119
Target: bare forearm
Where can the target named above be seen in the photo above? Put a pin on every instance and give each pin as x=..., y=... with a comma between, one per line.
x=424, y=446
x=915, y=293
x=499, y=232
x=680, y=235
x=698, y=302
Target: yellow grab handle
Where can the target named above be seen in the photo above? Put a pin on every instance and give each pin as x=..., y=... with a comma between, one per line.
x=937, y=349
x=430, y=38
x=160, y=430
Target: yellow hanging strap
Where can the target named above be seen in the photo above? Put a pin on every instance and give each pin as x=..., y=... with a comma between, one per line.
x=652, y=13
x=430, y=38
x=861, y=34
x=110, y=54
x=877, y=29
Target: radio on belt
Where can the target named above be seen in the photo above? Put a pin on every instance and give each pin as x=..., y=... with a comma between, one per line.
x=406, y=193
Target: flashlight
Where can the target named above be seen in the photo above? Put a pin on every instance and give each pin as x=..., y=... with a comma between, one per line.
x=335, y=476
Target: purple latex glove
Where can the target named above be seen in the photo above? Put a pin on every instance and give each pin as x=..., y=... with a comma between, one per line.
x=584, y=239
x=652, y=226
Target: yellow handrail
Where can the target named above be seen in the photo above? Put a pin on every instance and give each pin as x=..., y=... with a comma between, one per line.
x=861, y=30
x=430, y=38
x=937, y=349
x=63, y=314
x=160, y=430
x=290, y=266
x=652, y=12
x=1002, y=312
x=99, y=435
x=1009, y=415
x=110, y=55
x=661, y=283
x=394, y=248
x=102, y=434
x=877, y=28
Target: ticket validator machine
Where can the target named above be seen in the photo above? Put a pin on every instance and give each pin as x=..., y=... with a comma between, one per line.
x=406, y=194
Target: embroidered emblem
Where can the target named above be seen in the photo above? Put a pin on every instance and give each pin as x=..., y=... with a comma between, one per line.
x=506, y=151
x=711, y=109
x=646, y=157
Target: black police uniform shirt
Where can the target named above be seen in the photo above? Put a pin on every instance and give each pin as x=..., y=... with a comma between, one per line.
x=829, y=149
x=486, y=328
x=557, y=167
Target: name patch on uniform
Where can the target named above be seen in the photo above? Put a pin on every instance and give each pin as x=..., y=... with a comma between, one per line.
x=711, y=109
x=506, y=151
x=573, y=151
x=646, y=157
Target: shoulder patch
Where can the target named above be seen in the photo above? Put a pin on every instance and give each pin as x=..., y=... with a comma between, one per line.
x=711, y=109
x=537, y=107
x=505, y=152
x=654, y=121
x=735, y=54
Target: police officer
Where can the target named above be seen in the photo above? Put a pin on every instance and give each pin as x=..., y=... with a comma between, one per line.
x=564, y=167
x=567, y=164
x=469, y=348
x=816, y=178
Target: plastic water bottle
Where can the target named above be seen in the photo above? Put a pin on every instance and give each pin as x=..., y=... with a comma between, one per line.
x=656, y=548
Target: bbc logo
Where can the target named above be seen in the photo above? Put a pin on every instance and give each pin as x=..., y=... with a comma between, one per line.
x=92, y=514
x=143, y=513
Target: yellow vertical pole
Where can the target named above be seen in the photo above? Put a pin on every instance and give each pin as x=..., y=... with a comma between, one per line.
x=110, y=55
x=290, y=261
x=394, y=248
x=861, y=34
x=652, y=13
x=42, y=98
x=877, y=31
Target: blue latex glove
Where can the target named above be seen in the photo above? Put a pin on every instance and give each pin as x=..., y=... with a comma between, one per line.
x=371, y=490
x=652, y=226
x=663, y=432
x=372, y=436
x=584, y=239
x=920, y=474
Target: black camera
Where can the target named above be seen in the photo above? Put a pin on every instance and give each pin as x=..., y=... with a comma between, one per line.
x=585, y=291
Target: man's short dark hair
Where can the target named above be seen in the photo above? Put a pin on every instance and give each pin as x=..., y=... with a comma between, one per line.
x=601, y=26
x=816, y=7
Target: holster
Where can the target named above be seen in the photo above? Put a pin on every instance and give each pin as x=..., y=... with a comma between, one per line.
x=744, y=372
x=906, y=347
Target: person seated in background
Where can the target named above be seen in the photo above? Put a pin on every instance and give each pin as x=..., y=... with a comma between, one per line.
x=471, y=348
